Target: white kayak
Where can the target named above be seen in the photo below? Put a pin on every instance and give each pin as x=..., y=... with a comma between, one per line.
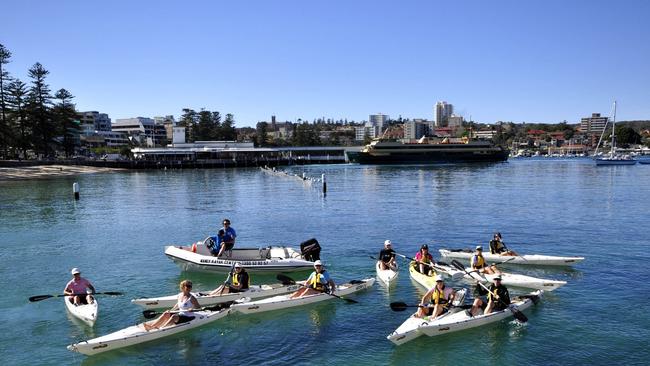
x=409, y=329
x=87, y=312
x=198, y=257
x=387, y=276
x=508, y=279
x=285, y=301
x=204, y=299
x=462, y=320
x=528, y=259
x=136, y=334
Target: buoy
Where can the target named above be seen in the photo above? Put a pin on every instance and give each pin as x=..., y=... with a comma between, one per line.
x=194, y=248
x=75, y=190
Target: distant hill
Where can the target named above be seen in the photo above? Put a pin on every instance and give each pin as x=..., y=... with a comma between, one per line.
x=636, y=125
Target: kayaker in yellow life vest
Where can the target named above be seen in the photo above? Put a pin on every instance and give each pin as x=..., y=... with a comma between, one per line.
x=479, y=264
x=241, y=281
x=440, y=297
x=318, y=281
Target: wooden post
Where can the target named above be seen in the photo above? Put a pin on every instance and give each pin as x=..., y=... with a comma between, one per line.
x=75, y=190
x=324, y=184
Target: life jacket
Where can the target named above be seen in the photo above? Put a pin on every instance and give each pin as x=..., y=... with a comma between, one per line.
x=478, y=261
x=496, y=246
x=236, y=279
x=317, y=282
x=424, y=258
x=438, y=297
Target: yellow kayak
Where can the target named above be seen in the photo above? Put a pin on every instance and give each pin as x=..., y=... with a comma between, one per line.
x=424, y=280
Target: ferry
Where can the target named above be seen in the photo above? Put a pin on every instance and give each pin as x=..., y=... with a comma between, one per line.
x=429, y=151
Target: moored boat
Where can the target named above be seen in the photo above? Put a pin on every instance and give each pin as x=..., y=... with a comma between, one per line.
x=204, y=299
x=272, y=259
x=462, y=320
x=528, y=259
x=136, y=334
x=285, y=301
x=387, y=276
x=86, y=312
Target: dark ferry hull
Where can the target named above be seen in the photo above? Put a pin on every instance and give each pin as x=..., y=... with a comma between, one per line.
x=431, y=157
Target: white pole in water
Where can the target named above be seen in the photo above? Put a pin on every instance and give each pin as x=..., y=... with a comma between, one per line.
x=75, y=190
x=324, y=183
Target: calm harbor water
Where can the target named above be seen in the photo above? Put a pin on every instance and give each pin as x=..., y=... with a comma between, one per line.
x=117, y=231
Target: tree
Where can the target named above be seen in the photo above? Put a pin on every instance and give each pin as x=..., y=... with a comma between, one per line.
x=204, y=128
x=38, y=112
x=188, y=120
x=65, y=117
x=18, y=123
x=228, y=132
x=262, y=128
x=215, y=134
x=626, y=136
x=5, y=136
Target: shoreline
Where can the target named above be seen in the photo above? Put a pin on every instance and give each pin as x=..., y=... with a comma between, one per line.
x=48, y=171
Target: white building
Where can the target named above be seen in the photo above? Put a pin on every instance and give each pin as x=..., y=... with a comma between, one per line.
x=379, y=120
x=455, y=121
x=142, y=129
x=443, y=111
x=361, y=132
x=416, y=128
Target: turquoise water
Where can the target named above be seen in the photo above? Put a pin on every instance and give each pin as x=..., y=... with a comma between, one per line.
x=117, y=231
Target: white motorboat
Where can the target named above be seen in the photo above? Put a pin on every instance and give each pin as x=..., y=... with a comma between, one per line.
x=387, y=276
x=528, y=259
x=205, y=299
x=136, y=334
x=86, y=312
x=285, y=301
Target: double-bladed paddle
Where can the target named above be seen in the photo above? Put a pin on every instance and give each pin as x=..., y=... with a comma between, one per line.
x=149, y=314
x=282, y=278
x=401, y=306
x=43, y=297
x=456, y=276
x=515, y=312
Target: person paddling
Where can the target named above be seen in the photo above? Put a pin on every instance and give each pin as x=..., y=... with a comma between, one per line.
x=497, y=246
x=387, y=257
x=479, y=265
x=79, y=285
x=318, y=281
x=440, y=296
x=423, y=258
x=498, y=297
x=185, y=304
x=240, y=282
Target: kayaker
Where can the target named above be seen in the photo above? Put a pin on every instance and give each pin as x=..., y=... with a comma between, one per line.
x=423, y=258
x=185, y=304
x=478, y=263
x=480, y=299
x=240, y=282
x=439, y=296
x=498, y=297
x=227, y=240
x=497, y=246
x=79, y=285
x=318, y=281
x=387, y=257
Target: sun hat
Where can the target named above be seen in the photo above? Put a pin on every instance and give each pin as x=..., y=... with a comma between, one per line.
x=388, y=242
x=439, y=278
x=237, y=265
x=497, y=277
x=75, y=270
x=318, y=263
x=478, y=247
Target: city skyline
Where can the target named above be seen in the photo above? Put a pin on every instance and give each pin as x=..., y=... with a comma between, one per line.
x=506, y=60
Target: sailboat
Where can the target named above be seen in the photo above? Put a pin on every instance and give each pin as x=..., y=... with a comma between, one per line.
x=613, y=158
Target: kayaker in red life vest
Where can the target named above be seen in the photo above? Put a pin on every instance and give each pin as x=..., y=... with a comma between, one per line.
x=79, y=285
x=185, y=304
x=423, y=257
x=318, y=281
x=387, y=257
x=240, y=282
x=498, y=297
x=479, y=264
x=440, y=296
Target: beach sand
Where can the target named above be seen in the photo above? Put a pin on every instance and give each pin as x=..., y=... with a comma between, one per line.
x=46, y=171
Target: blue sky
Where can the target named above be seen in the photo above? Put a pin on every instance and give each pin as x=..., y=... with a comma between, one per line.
x=532, y=61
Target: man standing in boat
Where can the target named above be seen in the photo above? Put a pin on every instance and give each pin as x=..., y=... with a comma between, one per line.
x=79, y=285
x=318, y=281
x=227, y=240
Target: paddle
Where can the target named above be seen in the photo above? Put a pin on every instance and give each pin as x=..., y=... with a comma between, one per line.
x=401, y=306
x=288, y=279
x=149, y=314
x=456, y=276
x=223, y=286
x=515, y=312
x=43, y=297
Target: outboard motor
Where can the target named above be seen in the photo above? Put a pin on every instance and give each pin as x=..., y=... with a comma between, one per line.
x=310, y=250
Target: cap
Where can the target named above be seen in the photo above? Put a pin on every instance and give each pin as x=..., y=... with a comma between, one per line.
x=424, y=246
x=439, y=278
x=388, y=242
x=237, y=265
x=318, y=263
x=75, y=271
x=478, y=247
x=497, y=277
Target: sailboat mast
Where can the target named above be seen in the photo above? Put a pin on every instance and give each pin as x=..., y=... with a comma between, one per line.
x=614, y=132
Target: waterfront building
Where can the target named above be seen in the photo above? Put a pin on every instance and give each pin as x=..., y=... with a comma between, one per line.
x=361, y=132
x=415, y=129
x=142, y=129
x=379, y=120
x=443, y=111
x=99, y=121
x=485, y=134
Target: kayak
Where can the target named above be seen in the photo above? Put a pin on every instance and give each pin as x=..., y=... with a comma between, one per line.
x=528, y=259
x=285, y=301
x=205, y=299
x=387, y=276
x=423, y=280
x=86, y=312
x=408, y=331
x=136, y=334
x=462, y=320
x=508, y=279
x=269, y=260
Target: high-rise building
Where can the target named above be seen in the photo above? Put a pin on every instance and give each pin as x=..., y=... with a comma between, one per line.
x=594, y=124
x=100, y=121
x=379, y=120
x=416, y=129
x=443, y=111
